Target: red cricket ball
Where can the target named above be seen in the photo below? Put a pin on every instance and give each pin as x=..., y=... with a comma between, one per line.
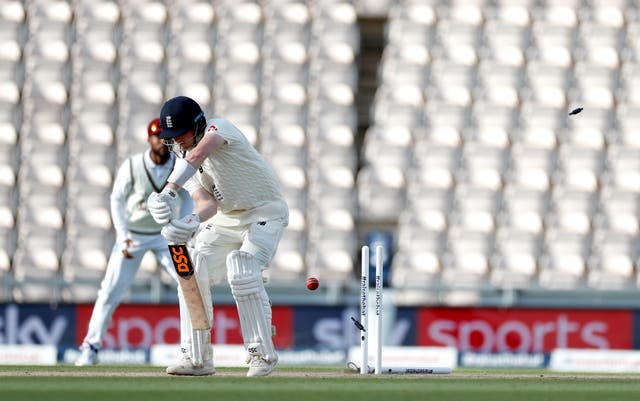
x=312, y=283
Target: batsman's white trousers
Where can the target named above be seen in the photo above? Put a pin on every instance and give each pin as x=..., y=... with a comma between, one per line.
x=213, y=244
x=118, y=277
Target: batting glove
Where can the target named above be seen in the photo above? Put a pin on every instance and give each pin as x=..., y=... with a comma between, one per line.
x=163, y=205
x=182, y=230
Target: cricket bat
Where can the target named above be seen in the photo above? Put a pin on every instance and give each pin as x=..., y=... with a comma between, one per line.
x=193, y=298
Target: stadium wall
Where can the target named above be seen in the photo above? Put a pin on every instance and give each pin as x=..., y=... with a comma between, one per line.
x=472, y=331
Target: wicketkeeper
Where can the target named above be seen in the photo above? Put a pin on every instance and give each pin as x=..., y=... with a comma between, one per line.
x=238, y=194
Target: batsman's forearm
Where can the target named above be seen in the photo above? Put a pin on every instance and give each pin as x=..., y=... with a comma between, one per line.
x=207, y=212
x=205, y=204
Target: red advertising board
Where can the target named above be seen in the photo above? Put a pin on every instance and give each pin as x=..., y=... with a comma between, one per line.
x=134, y=326
x=524, y=330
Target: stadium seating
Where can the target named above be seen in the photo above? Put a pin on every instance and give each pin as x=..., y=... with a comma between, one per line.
x=469, y=157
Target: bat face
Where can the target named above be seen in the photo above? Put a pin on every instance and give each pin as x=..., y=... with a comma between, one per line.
x=189, y=285
x=181, y=260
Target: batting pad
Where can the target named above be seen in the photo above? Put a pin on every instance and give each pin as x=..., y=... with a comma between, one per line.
x=245, y=280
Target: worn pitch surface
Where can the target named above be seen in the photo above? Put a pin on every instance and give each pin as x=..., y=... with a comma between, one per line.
x=122, y=383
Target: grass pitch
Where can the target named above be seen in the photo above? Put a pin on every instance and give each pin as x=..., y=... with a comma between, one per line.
x=127, y=383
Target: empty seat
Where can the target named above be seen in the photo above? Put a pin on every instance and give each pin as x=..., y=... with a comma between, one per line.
x=12, y=14
x=508, y=34
x=387, y=146
x=195, y=65
x=500, y=84
x=412, y=23
x=339, y=179
x=437, y=148
x=398, y=105
x=547, y=85
x=524, y=209
x=331, y=265
x=288, y=265
x=94, y=129
x=563, y=263
x=595, y=86
x=83, y=264
x=572, y=210
x=467, y=258
x=475, y=208
x=579, y=167
x=285, y=145
x=482, y=165
x=240, y=21
x=515, y=261
x=292, y=177
x=617, y=211
x=430, y=193
x=611, y=264
x=405, y=63
x=459, y=42
x=192, y=17
x=333, y=61
x=591, y=132
x=602, y=25
x=381, y=193
x=336, y=22
x=44, y=181
x=286, y=60
x=418, y=261
x=142, y=96
x=36, y=265
x=333, y=228
x=147, y=17
x=451, y=83
x=333, y=146
x=290, y=97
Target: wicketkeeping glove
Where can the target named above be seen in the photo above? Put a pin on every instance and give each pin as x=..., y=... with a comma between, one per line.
x=180, y=231
x=163, y=205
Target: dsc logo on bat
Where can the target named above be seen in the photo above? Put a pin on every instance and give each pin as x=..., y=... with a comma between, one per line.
x=181, y=261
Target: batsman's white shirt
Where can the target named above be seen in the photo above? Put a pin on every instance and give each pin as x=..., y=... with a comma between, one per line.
x=252, y=212
x=240, y=179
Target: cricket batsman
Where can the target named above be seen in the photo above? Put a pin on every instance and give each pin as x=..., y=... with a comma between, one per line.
x=238, y=198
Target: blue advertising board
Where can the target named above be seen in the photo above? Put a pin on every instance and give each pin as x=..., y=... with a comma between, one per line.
x=37, y=324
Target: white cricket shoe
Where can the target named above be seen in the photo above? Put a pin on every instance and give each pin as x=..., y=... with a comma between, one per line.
x=88, y=355
x=185, y=367
x=258, y=365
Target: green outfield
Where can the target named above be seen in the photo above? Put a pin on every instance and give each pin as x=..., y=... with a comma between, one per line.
x=126, y=383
